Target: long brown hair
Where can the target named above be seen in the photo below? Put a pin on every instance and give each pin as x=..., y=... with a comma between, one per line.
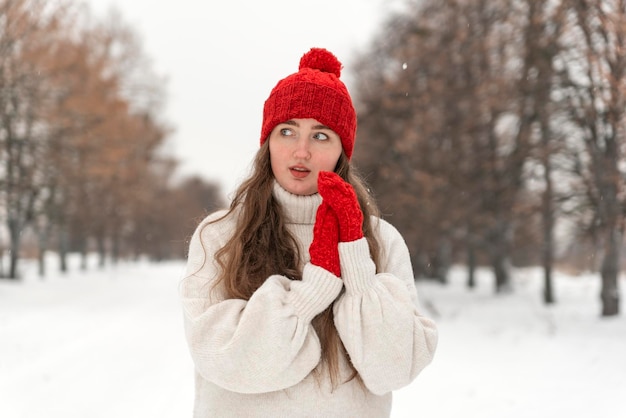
x=262, y=245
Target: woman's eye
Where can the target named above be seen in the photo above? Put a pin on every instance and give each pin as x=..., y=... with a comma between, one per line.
x=286, y=132
x=320, y=136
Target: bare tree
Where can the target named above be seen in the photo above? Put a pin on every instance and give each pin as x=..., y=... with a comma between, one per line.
x=593, y=74
x=28, y=31
x=455, y=116
x=544, y=26
x=81, y=134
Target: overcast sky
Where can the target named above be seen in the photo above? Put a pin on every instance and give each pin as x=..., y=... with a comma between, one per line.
x=223, y=58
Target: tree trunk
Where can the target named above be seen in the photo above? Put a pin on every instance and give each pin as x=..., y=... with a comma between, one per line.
x=41, y=258
x=14, y=255
x=501, y=270
x=63, y=248
x=471, y=266
x=420, y=263
x=101, y=252
x=548, y=290
x=82, y=242
x=500, y=260
x=547, y=215
x=442, y=261
x=547, y=255
x=13, y=261
x=610, y=272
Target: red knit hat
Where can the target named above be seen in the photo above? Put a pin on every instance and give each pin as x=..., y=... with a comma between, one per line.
x=316, y=92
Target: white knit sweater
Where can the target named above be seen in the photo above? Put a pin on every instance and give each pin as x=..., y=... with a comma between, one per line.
x=254, y=358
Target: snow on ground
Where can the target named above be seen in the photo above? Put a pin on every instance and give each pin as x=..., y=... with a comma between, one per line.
x=510, y=356
x=103, y=344
x=110, y=343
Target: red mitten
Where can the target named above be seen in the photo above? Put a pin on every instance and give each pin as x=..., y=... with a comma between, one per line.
x=342, y=199
x=323, y=250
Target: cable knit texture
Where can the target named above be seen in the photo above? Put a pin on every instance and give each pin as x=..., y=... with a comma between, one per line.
x=255, y=358
x=342, y=199
x=316, y=92
x=324, y=250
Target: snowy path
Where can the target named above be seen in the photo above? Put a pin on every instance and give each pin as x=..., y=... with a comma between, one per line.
x=110, y=344
x=512, y=357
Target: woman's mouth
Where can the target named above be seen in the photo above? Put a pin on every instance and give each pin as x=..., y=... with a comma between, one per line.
x=299, y=172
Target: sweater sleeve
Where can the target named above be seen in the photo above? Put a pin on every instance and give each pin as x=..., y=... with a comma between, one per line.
x=260, y=345
x=388, y=340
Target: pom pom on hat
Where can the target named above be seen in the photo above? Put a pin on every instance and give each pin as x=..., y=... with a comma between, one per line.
x=321, y=59
x=316, y=92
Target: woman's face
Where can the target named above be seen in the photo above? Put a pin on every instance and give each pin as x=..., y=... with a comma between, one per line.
x=299, y=150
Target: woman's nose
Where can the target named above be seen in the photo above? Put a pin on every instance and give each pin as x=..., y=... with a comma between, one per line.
x=302, y=149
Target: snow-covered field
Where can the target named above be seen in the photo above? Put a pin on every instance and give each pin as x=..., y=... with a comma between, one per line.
x=109, y=343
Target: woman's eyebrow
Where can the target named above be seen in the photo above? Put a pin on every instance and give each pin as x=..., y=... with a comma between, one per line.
x=321, y=127
x=294, y=123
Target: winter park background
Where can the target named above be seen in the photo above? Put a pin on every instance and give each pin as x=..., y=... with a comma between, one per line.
x=493, y=133
x=110, y=344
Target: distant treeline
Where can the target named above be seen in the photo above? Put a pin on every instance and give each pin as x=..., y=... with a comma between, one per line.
x=494, y=132
x=82, y=166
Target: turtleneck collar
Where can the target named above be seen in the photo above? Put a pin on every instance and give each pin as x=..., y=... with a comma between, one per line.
x=298, y=209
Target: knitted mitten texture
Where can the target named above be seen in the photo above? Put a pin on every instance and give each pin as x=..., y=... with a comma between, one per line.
x=324, y=250
x=343, y=201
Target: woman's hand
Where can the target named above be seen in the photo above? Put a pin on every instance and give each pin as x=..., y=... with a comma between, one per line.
x=341, y=198
x=324, y=251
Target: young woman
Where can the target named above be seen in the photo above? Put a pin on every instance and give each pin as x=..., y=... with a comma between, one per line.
x=299, y=300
